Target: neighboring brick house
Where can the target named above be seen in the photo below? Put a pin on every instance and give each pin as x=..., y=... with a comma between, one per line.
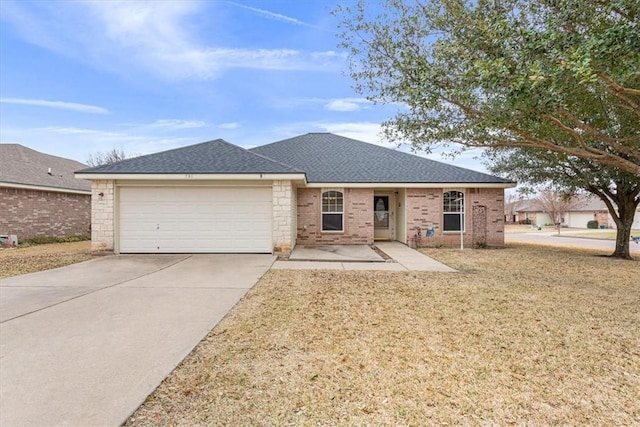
x=584, y=209
x=317, y=188
x=40, y=196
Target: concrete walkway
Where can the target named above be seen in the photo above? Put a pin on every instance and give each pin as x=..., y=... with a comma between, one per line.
x=404, y=259
x=349, y=253
x=84, y=345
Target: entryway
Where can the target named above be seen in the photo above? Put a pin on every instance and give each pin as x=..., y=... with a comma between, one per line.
x=384, y=216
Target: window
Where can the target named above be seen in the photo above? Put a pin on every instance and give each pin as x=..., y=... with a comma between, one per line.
x=332, y=211
x=453, y=210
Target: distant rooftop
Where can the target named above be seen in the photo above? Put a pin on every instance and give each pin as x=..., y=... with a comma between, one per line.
x=22, y=165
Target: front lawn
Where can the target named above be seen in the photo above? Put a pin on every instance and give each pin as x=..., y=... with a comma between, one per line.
x=524, y=335
x=29, y=259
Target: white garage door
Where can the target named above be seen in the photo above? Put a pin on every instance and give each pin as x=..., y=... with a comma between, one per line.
x=579, y=219
x=195, y=219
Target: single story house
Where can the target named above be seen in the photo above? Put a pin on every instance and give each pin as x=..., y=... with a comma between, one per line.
x=40, y=196
x=584, y=209
x=317, y=188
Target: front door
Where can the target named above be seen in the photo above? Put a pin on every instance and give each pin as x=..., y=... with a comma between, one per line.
x=383, y=216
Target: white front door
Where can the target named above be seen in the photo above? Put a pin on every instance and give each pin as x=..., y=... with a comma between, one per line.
x=384, y=216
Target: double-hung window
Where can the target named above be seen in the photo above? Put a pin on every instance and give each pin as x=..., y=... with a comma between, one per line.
x=332, y=210
x=453, y=211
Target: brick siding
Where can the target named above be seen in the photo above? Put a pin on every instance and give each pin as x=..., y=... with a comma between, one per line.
x=358, y=218
x=424, y=211
x=32, y=213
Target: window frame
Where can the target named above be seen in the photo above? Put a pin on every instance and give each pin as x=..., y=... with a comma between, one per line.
x=448, y=203
x=340, y=194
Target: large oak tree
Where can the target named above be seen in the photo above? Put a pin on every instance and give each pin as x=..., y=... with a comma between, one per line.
x=556, y=75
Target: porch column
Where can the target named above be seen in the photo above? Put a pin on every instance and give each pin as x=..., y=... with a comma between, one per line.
x=102, y=215
x=283, y=218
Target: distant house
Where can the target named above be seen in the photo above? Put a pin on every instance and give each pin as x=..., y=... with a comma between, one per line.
x=39, y=195
x=313, y=189
x=586, y=209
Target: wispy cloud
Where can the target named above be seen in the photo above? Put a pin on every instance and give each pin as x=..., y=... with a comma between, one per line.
x=346, y=104
x=231, y=125
x=154, y=38
x=274, y=16
x=175, y=124
x=61, y=105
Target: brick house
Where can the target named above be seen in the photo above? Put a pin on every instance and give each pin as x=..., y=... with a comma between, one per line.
x=585, y=208
x=317, y=188
x=39, y=195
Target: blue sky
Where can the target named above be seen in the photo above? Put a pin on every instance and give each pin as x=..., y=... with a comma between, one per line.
x=77, y=77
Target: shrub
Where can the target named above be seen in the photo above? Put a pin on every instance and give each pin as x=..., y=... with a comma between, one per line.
x=47, y=240
x=592, y=224
x=524, y=222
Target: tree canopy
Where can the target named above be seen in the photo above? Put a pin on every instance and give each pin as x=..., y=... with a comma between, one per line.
x=113, y=155
x=561, y=76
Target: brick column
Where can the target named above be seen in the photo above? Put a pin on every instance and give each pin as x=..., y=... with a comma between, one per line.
x=283, y=217
x=102, y=215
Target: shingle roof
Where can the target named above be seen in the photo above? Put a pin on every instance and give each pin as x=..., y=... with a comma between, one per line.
x=22, y=165
x=581, y=203
x=326, y=157
x=213, y=157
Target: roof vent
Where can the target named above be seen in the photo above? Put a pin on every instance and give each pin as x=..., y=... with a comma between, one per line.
x=49, y=171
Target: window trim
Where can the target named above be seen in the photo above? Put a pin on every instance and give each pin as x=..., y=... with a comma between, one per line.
x=323, y=191
x=462, y=213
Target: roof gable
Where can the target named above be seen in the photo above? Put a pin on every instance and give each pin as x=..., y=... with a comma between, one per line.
x=212, y=157
x=25, y=166
x=326, y=157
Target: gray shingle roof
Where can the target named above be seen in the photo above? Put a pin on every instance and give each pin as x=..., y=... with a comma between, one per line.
x=326, y=157
x=213, y=157
x=22, y=165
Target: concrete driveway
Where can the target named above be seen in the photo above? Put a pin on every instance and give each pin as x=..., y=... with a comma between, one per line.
x=85, y=344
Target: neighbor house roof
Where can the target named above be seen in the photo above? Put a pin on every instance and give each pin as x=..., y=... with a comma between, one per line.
x=213, y=157
x=23, y=167
x=329, y=158
x=582, y=203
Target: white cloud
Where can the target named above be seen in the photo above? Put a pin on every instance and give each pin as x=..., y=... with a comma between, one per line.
x=274, y=16
x=155, y=38
x=175, y=124
x=61, y=105
x=231, y=125
x=346, y=104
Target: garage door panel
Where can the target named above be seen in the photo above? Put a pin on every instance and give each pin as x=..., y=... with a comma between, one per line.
x=194, y=219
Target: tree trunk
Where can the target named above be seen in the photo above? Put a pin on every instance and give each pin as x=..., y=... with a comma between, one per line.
x=626, y=202
x=626, y=213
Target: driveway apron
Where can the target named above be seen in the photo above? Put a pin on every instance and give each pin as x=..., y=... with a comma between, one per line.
x=85, y=344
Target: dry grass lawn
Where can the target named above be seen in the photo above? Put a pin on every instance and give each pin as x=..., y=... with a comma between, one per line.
x=22, y=260
x=523, y=336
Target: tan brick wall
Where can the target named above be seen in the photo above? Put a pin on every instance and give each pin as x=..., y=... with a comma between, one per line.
x=358, y=218
x=31, y=213
x=424, y=211
x=102, y=215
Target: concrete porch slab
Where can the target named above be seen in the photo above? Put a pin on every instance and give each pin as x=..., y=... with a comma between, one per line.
x=346, y=253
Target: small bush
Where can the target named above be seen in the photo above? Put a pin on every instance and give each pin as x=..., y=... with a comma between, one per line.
x=46, y=240
x=592, y=224
x=524, y=222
